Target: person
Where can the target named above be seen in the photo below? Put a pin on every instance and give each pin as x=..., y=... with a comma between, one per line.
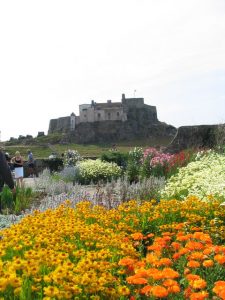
x=5, y=174
x=30, y=161
x=18, y=167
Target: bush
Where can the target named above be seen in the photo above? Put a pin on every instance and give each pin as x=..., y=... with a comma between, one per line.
x=71, y=158
x=70, y=174
x=97, y=170
x=134, y=163
x=117, y=157
x=204, y=178
x=54, y=164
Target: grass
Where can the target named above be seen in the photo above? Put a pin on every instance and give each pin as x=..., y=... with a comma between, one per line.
x=42, y=147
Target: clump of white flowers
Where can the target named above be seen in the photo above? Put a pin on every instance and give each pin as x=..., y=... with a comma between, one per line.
x=204, y=178
x=71, y=158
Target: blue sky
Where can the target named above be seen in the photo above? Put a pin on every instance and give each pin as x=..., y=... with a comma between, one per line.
x=55, y=55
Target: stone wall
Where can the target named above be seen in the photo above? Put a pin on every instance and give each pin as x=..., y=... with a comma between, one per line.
x=196, y=137
x=115, y=131
x=59, y=125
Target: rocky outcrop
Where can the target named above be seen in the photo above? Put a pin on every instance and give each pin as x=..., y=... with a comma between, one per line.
x=196, y=137
x=115, y=131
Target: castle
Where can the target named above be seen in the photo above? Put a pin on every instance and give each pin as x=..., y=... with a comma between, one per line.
x=111, y=121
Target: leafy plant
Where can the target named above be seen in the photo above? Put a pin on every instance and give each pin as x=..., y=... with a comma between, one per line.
x=117, y=157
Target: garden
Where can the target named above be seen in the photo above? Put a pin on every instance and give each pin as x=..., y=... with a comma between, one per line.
x=138, y=225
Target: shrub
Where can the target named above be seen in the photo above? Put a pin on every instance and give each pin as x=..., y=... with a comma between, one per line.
x=71, y=157
x=204, y=177
x=117, y=157
x=135, y=157
x=96, y=170
x=54, y=164
x=70, y=174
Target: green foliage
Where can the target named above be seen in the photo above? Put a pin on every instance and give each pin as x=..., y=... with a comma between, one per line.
x=134, y=163
x=117, y=157
x=54, y=164
x=18, y=202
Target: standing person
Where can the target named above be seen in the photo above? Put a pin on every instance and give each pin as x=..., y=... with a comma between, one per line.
x=18, y=166
x=30, y=161
x=5, y=175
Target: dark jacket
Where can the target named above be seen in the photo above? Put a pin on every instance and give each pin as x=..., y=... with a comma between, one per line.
x=5, y=173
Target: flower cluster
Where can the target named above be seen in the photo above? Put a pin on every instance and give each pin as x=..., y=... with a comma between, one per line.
x=170, y=250
x=96, y=170
x=155, y=163
x=204, y=177
x=71, y=157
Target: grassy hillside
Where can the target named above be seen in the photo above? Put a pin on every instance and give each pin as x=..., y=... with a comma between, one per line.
x=42, y=147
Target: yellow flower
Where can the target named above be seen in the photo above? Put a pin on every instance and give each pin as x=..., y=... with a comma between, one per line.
x=51, y=291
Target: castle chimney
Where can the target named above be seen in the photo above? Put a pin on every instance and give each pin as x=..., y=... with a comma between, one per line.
x=109, y=101
x=123, y=97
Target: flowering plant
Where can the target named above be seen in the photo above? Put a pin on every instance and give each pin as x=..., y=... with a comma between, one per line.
x=96, y=170
x=204, y=177
x=71, y=157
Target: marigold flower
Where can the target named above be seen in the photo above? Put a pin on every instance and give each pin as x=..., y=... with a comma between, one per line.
x=126, y=261
x=159, y=291
x=146, y=290
x=219, y=289
x=193, y=264
x=137, y=236
x=136, y=280
x=220, y=258
x=193, y=277
x=199, y=295
x=208, y=263
x=198, y=284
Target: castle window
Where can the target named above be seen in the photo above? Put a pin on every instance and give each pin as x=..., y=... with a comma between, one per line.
x=99, y=115
x=85, y=116
x=118, y=114
x=109, y=115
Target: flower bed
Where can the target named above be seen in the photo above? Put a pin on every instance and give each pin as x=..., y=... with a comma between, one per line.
x=204, y=177
x=169, y=250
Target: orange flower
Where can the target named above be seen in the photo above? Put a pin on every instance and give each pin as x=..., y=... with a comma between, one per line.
x=150, y=235
x=176, y=245
x=208, y=263
x=159, y=291
x=170, y=273
x=192, y=245
x=219, y=289
x=173, y=289
x=169, y=282
x=199, y=296
x=136, y=280
x=146, y=290
x=193, y=264
x=198, y=284
x=193, y=277
x=164, y=262
x=196, y=256
x=126, y=261
x=220, y=258
x=137, y=236
x=155, y=273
